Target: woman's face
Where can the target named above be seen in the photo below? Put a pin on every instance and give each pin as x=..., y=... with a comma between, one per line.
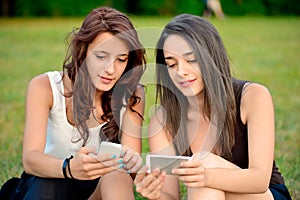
x=107, y=57
x=183, y=67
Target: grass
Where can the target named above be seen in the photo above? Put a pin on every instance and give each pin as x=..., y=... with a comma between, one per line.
x=264, y=50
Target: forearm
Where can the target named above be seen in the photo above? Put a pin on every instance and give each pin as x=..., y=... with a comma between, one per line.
x=42, y=165
x=237, y=180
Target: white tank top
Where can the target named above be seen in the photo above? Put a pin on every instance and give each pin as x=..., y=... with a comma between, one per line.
x=62, y=137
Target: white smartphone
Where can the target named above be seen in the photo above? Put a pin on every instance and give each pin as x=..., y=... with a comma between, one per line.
x=110, y=148
x=164, y=162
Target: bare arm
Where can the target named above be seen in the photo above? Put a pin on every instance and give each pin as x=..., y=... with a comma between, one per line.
x=132, y=134
x=258, y=112
x=160, y=144
x=132, y=123
x=39, y=101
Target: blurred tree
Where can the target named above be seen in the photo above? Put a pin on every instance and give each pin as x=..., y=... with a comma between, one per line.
x=132, y=6
x=277, y=7
x=145, y=7
x=7, y=7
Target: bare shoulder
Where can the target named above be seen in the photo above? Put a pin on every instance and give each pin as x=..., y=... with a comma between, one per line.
x=39, y=88
x=256, y=98
x=255, y=90
x=41, y=80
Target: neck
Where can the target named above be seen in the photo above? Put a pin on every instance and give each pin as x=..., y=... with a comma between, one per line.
x=97, y=96
x=196, y=103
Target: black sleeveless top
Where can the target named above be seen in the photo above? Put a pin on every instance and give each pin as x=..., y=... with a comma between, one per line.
x=240, y=148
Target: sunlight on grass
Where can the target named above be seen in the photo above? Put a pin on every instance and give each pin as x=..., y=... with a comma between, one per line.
x=264, y=50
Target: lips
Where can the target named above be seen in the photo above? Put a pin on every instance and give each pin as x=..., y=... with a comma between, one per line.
x=106, y=80
x=187, y=83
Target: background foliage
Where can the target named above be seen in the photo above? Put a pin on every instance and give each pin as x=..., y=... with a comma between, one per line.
x=145, y=7
x=259, y=52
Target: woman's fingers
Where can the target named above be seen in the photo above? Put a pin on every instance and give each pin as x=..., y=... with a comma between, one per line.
x=157, y=183
x=141, y=174
x=188, y=171
x=149, y=185
x=132, y=160
x=97, y=172
x=143, y=180
x=189, y=168
x=85, y=165
x=87, y=150
x=191, y=173
x=191, y=163
x=136, y=167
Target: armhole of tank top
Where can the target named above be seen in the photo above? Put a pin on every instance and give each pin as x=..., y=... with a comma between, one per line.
x=56, y=86
x=243, y=90
x=244, y=87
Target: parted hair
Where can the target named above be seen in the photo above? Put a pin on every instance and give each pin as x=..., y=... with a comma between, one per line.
x=100, y=20
x=219, y=100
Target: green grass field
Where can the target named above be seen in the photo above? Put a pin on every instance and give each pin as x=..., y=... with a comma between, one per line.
x=264, y=50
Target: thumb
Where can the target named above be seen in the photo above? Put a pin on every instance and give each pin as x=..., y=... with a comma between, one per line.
x=87, y=150
x=140, y=175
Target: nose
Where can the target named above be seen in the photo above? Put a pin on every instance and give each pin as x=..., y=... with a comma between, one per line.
x=181, y=71
x=110, y=68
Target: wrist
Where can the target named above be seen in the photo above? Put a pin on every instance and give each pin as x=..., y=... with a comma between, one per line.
x=69, y=167
x=66, y=168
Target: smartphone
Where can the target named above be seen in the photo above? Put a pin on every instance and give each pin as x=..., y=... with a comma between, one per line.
x=110, y=148
x=164, y=162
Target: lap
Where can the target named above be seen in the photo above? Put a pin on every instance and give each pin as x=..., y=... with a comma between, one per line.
x=280, y=192
x=33, y=187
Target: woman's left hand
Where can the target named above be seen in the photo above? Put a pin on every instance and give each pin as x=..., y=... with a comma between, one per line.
x=149, y=185
x=132, y=160
x=191, y=173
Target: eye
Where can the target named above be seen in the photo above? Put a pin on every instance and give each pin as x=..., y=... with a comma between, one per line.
x=192, y=61
x=171, y=65
x=122, y=59
x=101, y=57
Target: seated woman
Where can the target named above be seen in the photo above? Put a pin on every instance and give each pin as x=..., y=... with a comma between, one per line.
x=225, y=124
x=95, y=98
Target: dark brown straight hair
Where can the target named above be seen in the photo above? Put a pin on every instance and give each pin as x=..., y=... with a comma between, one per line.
x=219, y=100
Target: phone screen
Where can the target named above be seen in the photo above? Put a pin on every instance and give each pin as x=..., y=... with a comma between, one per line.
x=165, y=163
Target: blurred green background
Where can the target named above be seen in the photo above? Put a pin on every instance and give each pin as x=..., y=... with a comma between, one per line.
x=145, y=7
x=262, y=38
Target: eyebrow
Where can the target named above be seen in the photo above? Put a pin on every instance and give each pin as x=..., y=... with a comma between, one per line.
x=188, y=53
x=185, y=54
x=121, y=54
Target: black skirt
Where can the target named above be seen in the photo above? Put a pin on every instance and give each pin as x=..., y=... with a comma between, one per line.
x=31, y=187
x=280, y=192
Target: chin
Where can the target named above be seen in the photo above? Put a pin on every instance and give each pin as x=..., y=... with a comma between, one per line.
x=189, y=92
x=103, y=89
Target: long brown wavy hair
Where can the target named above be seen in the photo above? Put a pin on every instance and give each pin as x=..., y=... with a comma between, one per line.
x=100, y=20
x=219, y=100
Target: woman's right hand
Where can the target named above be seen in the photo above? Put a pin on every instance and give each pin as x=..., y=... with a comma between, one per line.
x=149, y=185
x=86, y=165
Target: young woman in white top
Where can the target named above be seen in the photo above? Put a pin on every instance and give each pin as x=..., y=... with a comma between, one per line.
x=96, y=98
